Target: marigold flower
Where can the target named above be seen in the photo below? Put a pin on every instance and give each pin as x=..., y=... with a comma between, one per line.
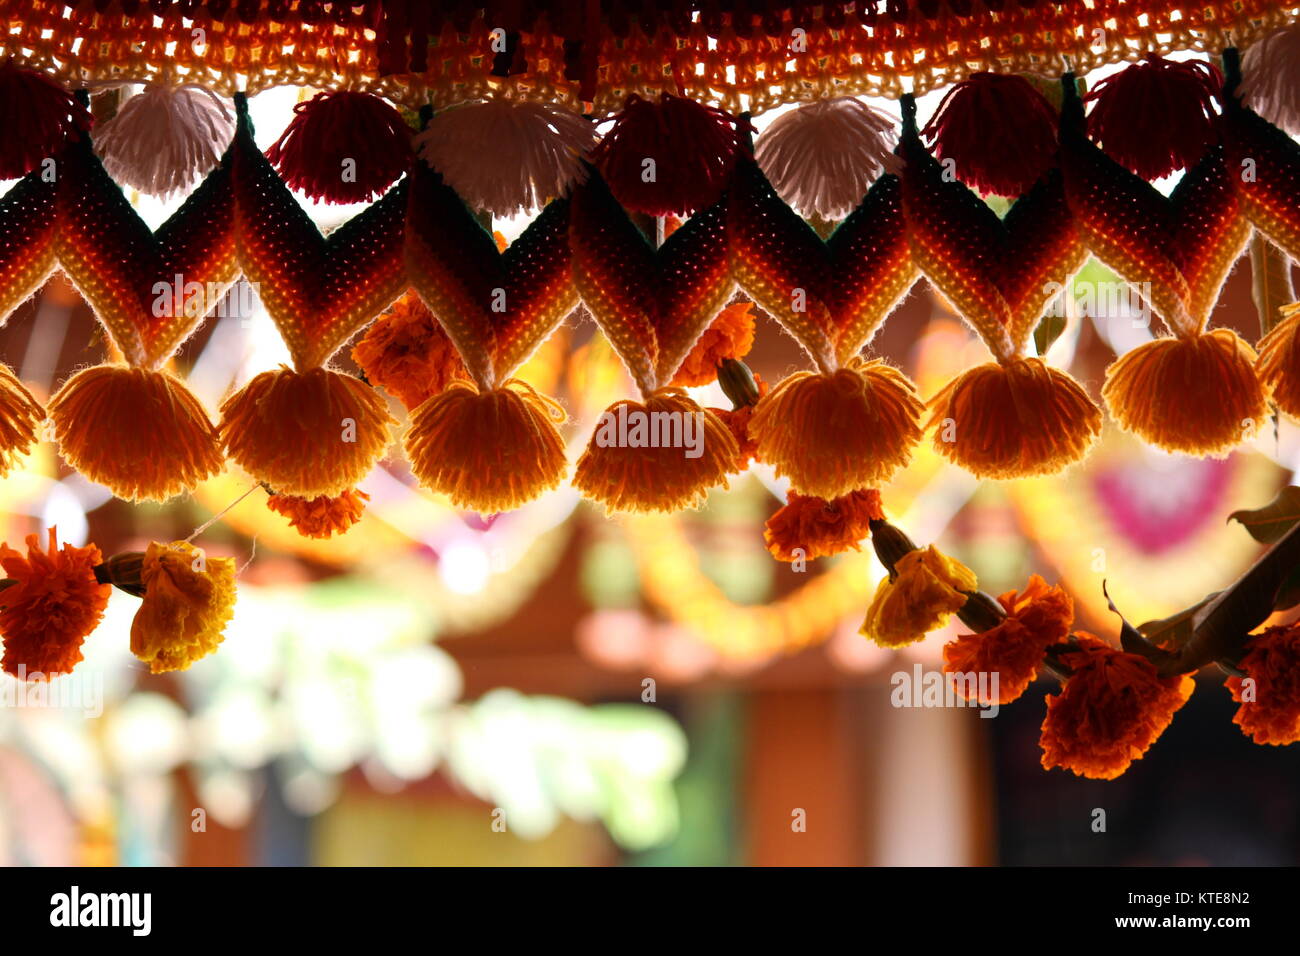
x=1270, y=711
x=317, y=432
x=142, y=433
x=407, y=352
x=1015, y=420
x=1037, y=617
x=820, y=528
x=926, y=588
x=54, y=602
x=1279, y=361
x=1112, y=709
x=1197, y=395
x=730, y=336
x=661, y=476
x=322, y=516
x=20, y=417
x=834, y=433
x=737, y=422
x=189, y=598
x=487, y=451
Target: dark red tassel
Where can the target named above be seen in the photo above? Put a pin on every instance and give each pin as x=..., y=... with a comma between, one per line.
x=332, y=128
x=1157, y=116
x=998, y=131
x=693, y=147
x=38, y=116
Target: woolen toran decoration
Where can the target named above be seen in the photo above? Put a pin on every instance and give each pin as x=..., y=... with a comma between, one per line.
x=655, y=210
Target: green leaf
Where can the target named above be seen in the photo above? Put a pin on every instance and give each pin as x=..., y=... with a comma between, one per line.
x=1048, y=330
x=1269, y=523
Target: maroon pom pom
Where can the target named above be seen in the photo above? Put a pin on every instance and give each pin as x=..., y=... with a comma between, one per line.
x=38, y=117
x=998, y=131
x=693, y=148
x=331, y=129
x=1157, y=116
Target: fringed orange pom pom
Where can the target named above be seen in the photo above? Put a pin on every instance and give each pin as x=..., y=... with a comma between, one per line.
x=53, y=602
x=322, y=516
x=1278, y=365
x=309, y=433
x=807, y=528
x=1112, y=709
x=142, y=433
x=1196, y=395
x=1270, y=710
x=487, y=451
x=834, y=433
x=1015, y=420
x=662, y=455
x=20, y=416
x=407, y=352
x=730, y=336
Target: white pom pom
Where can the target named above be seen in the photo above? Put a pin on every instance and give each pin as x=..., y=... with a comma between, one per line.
x=163, y=140
x=822, y=157
x=506, y=156
x=1270, y=78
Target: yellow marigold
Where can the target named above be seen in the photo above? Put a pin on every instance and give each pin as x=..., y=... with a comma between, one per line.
x=407, y=352
x=731, y=335
x=322, y=516
x=1270, y=709
x=1037, y=617
x=820, y=528
x=188, y=600
x=20, y=416
x=1112, y=709
x=55, y=600
x=926, y=588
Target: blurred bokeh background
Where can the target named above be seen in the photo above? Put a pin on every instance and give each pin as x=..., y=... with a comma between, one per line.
x=554, y=686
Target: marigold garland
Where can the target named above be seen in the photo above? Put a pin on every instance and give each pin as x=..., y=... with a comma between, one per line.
x=189, y=598
x=925, y=588
x=311, y=433
x=807, y=527
x=55, y=600
x=729, y=336
x=1270, y=709
x=322, y=516
x=1112, y=709
x=406, y=352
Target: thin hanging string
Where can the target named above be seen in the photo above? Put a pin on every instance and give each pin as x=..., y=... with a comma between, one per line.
x=222, y=513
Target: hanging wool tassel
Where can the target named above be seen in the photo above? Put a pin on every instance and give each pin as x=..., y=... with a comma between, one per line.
x=1279, y=361
x=1211, y=396
x=1157, y=116
x=1014, y=420
x=998, y=132
x=625, y=473
x=343, y=147
x=833, y=433
x=522, y=457
x=504, y=156
x=822, y=157
x=38, y=117
x=20, y=416
x=311, y=433
x=166, y=138
x=667, y=156
x=1270, y=82
x=140, y=432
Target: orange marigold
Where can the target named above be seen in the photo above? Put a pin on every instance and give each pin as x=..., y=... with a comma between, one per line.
x=189, y=598
x=1112, y=709
x=322, y=516
x=1037, y=617
x=1270, y=708
x=820, y=528
x=54, y=601
x=737, y=422
x=731, y=335
x=407, y=352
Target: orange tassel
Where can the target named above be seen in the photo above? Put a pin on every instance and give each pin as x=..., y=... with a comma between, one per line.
x=20, y=416
x=832, y=433
x=142, y=433
x=1199, y=395
x=1279, y=362
x=309, y=433
x=637, y=467
x=1015, y=420
x=487, y=451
